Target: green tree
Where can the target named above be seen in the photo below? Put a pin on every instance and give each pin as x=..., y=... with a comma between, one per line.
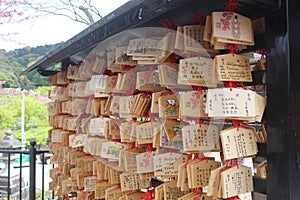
x=36, y=117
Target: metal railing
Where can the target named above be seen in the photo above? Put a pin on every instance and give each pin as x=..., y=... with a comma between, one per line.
x=32, y=152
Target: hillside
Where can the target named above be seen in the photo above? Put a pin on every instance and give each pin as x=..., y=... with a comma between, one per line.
x=12, y=63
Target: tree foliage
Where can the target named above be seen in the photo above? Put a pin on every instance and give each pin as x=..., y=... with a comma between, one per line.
x=14, y=62
x=36, y=117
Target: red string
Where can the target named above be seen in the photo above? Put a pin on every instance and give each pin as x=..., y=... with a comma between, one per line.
x=230, y=85
x=242, y=85
x=126, y=67
x=198, y=18
x=233, y=48
x=198, y=89
x=173, y=58
x=200, y=122
x=236, y=124
x=188, y=159
x=201, y=156
x=166, y=23
x=164, y=93
x=149, y=195
x=232, y=5
x=150, y=147
x=132, y=145
x=234, y=198
x=198, y=190
x=263, y=53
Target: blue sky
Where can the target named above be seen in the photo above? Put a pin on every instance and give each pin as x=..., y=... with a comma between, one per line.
x=48, y=30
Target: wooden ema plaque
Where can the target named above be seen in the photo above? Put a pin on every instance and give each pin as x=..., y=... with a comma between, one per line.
x=236, y=180
x=171, y=191
x=199, y=71
x=201, y=138
x=199, y=172
x=129, y=181
x=232, y=28
x=233, y=68
x=238, y=143
x=168, y=106
x=167, y=163
x=193, y=104
x=231, y=103
x=145, y=162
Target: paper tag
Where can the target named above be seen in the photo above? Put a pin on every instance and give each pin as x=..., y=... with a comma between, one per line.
x=197, y=71
x=202, y=138
x=236, y=180
x=233, y=68
x=226, y=103
x=238, y=143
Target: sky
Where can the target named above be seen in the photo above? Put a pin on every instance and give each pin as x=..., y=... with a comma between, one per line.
x=50, y=29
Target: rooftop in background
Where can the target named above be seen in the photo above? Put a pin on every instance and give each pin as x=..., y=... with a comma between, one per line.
x=133, y=14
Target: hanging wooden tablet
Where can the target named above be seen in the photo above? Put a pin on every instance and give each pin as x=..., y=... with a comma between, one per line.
x=193, y=104
x=197, y=71
x=168, y=163
x=238, y=143
x=130, y=162
x=236, y=180
x=101, y=186
x=232, y=28
x=165, y=47
x=114, y=193
x=148, y=81
x=122, y=58
x=179, y=40
x=61, y=78
x=90, y=183
x=233, y=68
x=171, y=191
x=129, y=182
x=199, y=172
x=145, y=162
x=72, y=72
x=231, y=103
x=193, y=39
x=175, y=143
x=182, y=180
x=168, y=106
x=142, y=47
x=99, y=126
x=201, y=138
x=147, y=131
